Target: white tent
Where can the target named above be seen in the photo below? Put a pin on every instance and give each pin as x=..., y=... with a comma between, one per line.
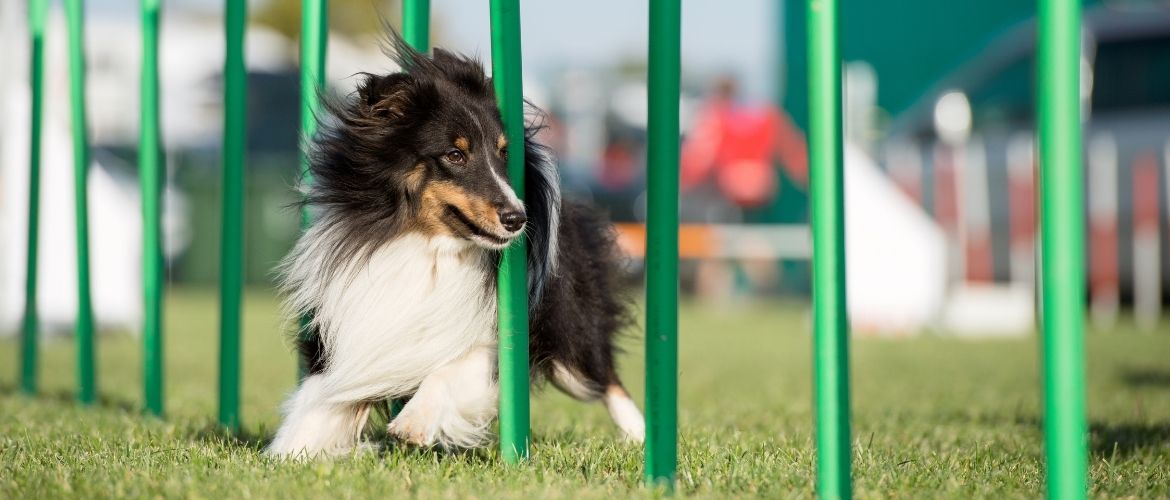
x=115, y=223
x=115, y=232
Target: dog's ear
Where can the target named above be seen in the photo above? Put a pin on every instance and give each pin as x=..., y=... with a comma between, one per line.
x=385, y=96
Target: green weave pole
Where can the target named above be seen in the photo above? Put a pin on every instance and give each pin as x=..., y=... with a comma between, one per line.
x=830, y=325
x=416, y=24
x=513, y=281
x=231, y=278
x=1062, y=248
x=662, y=151
x=86, y=373
x=37, y=11
x=314, y=42
x=150, y=166
x=314, y=45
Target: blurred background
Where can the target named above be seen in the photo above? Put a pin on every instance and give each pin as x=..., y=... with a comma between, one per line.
x=940, y=154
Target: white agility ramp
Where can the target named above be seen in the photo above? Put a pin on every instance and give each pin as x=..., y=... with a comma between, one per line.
x=895, y=255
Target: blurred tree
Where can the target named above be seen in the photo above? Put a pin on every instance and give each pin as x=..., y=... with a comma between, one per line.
x=353, y=18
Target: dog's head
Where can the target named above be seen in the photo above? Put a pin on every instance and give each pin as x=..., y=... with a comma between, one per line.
x=423, y=149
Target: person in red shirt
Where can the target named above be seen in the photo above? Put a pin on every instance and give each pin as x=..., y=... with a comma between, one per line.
x=736, y=146
x=727, y=168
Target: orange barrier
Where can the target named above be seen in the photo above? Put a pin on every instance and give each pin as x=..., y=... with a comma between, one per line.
x=715, y=241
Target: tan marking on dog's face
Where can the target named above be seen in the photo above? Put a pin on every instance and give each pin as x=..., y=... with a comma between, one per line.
x=501, y=142
x=463, y=144
x=416, y=177
x=435, y=219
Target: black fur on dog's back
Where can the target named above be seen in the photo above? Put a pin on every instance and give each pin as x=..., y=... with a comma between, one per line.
x=583, y=307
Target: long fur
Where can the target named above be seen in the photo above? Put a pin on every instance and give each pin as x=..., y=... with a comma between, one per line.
x=397, y=276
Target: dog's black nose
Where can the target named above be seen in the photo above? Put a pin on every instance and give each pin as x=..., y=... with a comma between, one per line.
x=512, y=220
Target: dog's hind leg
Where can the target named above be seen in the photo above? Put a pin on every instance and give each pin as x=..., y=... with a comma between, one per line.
x=453, y=406
x=314, y=426
x=609, y=389
x=624, y=411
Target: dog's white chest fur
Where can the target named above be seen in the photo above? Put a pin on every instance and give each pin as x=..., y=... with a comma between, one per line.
x=415, y=305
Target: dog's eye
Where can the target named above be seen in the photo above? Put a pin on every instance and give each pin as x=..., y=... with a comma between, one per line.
x=504, y=153
x=455, y=156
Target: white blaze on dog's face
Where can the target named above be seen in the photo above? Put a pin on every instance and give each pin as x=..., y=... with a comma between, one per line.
x=464, y=191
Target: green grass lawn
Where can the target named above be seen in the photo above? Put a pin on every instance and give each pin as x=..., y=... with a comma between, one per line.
x=933, y=417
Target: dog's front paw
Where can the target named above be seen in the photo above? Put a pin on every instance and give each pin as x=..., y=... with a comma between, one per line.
x=412, y=427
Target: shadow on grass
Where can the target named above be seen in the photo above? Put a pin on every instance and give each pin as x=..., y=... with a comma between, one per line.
x=1123, y=440
x=215, y=434
x=1107, y=440
x=375, y=436
x=1146, y=377
x=1117, y=440
x=476, y=456
x=208, y=434
x=67, y=397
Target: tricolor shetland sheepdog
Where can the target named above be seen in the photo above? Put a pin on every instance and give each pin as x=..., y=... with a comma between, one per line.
x=398, y=271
